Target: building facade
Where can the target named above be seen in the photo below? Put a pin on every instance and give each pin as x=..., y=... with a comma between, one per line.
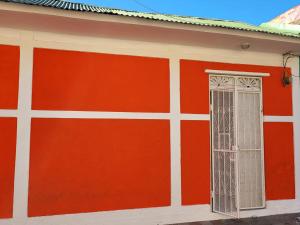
x=111, y=119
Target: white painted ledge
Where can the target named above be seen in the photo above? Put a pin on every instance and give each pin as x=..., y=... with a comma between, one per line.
x=236, y=73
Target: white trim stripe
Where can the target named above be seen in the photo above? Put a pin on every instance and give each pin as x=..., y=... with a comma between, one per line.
x=175, y=133
x=124, y=115
x=194, y=116
x=20, y=204
x=295, y=66
x=278, y=119
x=236, y=73
x=100, y=115
x=8, y=113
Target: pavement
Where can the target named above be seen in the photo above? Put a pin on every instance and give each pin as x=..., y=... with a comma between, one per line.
x=284, y=219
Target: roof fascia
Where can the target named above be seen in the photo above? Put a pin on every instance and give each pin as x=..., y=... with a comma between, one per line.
x=33, y=9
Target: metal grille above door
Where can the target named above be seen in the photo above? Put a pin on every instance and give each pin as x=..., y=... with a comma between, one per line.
x=237, y=156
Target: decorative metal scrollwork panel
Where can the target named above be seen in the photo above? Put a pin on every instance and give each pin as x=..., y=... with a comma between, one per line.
x=240, y=83
x=221, y=82
x=248, y=83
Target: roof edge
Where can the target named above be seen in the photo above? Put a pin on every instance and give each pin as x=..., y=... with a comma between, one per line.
x=270, y=34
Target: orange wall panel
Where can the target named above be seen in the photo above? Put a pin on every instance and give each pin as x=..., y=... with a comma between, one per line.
x=87, y=165
x=9, y=76
x=194, y=86
x=274, y=89
x=8, y=130
x=279, y=161
x=69, y=80
x=195, y=162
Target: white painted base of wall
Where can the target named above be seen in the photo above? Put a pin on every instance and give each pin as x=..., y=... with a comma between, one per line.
x=153, y=216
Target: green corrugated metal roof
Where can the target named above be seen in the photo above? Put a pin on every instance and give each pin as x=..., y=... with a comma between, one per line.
x=291, y=28
x=65, y=5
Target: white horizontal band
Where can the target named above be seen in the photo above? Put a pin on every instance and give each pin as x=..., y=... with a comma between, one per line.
x=105, y=115
x=8, y=113
x=194, y=116
x=124, y=115
x=236, y=73
x=278, y=119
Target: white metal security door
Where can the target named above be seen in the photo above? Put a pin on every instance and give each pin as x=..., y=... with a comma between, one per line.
x=250, y=143
x=237, y=162
x=224, y=151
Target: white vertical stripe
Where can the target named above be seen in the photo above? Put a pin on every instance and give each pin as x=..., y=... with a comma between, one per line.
x=296, y=111
x=23, y=130
x=175, y=132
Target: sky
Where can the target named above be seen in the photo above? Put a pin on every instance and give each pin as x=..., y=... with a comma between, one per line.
x=249, y=11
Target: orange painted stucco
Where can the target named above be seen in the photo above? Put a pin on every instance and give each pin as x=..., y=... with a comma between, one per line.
x=9, y=76
x=8, y=131
x=194, y=86
x=279, y=160
x=195, y=162
x=70, y=80
x=87, y=165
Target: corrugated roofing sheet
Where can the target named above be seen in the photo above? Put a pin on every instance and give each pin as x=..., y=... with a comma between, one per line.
x=65, y=5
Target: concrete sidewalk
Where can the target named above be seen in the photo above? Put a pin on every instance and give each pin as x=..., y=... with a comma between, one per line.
x=284, y=219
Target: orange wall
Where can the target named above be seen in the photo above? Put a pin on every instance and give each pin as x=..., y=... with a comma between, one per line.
x=86, y=165
x=195, y=162
x=195, y=87
x=279, y=161
x=69, y=80
x=9, y=76
x=8, y=131
x=9, y=84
